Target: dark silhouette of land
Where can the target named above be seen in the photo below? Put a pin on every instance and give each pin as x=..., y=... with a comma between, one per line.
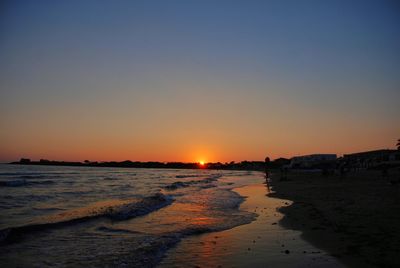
x=243, y=165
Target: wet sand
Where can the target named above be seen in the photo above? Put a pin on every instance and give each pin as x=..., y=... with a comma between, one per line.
x=262, y=243
x=355, y=218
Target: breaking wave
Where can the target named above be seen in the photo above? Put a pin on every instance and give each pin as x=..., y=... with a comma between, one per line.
x=114, y=209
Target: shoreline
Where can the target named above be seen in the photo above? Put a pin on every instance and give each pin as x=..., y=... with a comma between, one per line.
x=353, y=218
x=240, y=166
x=263, y=242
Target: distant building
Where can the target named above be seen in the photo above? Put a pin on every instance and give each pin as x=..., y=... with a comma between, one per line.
x=312, y=160
x=25, y=161
x=280, y=162
x=372, y=158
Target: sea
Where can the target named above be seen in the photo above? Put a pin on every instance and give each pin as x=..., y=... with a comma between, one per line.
x=111, y=217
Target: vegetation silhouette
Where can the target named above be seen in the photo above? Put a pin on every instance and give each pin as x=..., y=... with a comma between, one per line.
x=243, y=165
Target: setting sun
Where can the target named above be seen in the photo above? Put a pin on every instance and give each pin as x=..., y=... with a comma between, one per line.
x=201, y=163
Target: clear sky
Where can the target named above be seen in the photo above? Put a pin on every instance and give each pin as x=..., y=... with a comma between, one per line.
x=197, y=80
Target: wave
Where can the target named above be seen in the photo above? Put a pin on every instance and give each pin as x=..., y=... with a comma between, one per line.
x=13, y=183
x=115, y=230
x=183, y=184
x=48, y=209
x=110, y=179
x=176, y=185
x=18, y=174
x=153, y=249
x=34, y=176
x=148, y=253
x=186, y=176
x=24, y=182
x=114, y=209
x=145, y=206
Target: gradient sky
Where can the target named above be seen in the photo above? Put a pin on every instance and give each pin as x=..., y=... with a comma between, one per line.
x=197, y=80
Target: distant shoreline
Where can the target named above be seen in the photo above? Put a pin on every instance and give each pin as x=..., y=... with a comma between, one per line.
x=244, y=165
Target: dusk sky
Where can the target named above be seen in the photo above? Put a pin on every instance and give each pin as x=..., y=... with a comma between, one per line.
x=197, y=80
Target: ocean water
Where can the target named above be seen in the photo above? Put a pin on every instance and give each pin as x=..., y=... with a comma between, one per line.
x=107, y=217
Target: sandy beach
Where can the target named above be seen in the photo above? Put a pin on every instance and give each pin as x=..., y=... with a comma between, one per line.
x=262, y=243
x=355, y=218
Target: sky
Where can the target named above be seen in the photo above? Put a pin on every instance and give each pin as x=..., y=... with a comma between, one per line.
x=197, y=80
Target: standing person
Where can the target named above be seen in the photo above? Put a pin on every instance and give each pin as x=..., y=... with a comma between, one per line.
x=266, y=173
x=266, y=167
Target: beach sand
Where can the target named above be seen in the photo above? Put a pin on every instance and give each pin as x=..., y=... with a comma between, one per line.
x=355, y=218
x=262, y=243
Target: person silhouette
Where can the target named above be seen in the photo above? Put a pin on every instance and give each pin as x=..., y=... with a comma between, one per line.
x=266, y=166
x=267, y=173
